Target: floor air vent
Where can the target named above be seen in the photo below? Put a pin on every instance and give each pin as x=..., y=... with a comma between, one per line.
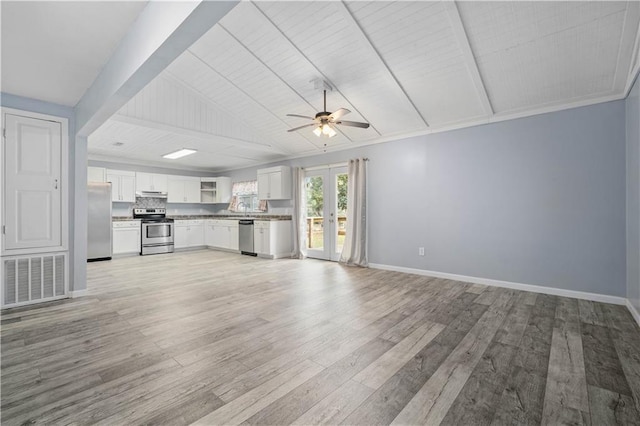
x=28, y=279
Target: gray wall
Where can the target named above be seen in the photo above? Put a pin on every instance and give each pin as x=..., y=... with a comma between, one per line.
x=34, y=105
x=632, y=105
x=538, y=200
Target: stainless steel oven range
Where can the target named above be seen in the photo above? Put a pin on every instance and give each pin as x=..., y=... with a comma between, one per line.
x=157, y=231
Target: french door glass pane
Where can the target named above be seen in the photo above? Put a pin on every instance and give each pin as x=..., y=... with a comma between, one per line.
x=341, y=210
x=315, y=206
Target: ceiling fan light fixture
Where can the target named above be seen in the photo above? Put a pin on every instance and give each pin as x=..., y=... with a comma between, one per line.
x=318, y=131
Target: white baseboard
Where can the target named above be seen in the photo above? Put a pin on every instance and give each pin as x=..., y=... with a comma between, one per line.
x=78, y=293
x=634, y=311
x=595, y=297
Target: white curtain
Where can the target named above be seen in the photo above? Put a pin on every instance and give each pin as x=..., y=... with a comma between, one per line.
x=354, y=251
x=299, y=217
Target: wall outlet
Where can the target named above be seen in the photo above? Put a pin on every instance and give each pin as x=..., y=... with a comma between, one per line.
x=421, y=251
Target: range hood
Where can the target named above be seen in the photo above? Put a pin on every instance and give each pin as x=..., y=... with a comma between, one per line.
x=151, y=194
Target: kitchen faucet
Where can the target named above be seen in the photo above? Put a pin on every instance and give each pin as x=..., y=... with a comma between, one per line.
x=245, y=205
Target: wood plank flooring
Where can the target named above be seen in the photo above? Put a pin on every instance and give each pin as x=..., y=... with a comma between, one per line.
x=207, y=338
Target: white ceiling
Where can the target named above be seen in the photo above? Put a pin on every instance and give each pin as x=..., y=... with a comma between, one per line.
x=409, y=67
x=53, y=50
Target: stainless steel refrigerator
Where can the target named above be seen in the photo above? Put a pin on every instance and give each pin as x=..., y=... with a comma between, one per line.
x=99, y=221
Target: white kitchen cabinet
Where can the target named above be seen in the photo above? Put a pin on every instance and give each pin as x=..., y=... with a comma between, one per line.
x=151, y=182
x=222, y=234
x=32, y=182
x=96, y=174
x=272, y=239
x=188, y=233
x=183, y=189
x=123, y=185
x=274, y=183
x=126, y=237
x=215, y=190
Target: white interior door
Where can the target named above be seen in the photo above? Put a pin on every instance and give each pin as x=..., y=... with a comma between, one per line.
x=32, y=183
x=326, y=206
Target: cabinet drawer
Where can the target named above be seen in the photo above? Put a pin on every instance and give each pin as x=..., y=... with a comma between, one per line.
x=127, y=224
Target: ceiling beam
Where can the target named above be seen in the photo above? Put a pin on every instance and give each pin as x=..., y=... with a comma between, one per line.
x=348, y=16
x=162, y=31
x=463, y=42
x=256, y=146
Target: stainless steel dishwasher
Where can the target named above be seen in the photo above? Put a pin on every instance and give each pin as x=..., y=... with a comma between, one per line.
x=246, y=237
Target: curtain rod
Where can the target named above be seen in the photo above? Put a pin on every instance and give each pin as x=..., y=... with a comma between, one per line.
x=329, y=166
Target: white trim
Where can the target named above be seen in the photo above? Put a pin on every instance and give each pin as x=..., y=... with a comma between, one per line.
x=595, y=297
x=78, y=293
x=634, y=312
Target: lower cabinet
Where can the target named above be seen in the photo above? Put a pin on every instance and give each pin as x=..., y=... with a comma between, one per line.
x=188, y=233
x=222, y=234
x=126, y=237
x=272, y=239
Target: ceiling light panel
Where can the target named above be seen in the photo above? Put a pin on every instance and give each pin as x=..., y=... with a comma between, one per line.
x=179, y=153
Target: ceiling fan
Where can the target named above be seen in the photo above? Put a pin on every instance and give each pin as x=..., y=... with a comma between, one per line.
x=325, y=121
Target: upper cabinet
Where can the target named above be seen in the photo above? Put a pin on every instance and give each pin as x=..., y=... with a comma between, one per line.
x=96, y=174
x=183, y=189
x=151, y=182
x=215, y=190
x=123, y=185
x=274, y=183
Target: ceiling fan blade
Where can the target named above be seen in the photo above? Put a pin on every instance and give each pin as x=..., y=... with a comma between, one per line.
x=339, y=113
x=300, y=116
x=353, y=124
x=301, y=127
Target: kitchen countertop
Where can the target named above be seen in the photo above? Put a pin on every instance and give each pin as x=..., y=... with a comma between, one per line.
x=266, y=217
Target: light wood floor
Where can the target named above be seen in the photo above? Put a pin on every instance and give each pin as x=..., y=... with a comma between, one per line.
x=217, y=338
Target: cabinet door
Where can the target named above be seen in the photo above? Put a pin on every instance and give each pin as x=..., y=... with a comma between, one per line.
x=275, y=186
x=208, y=234
x=160, y=183
x=192, y=191
x=258, y=241
x=126, y=240
x=144, y=182
x=115, y=186
x=263, y=186
x=32, y=182
x=234, y=238
x=181, y=237
x=96, y=174
x=223, y=190
x=175, y=191
x=196, y=235
x=220, y=236
x=128, y=188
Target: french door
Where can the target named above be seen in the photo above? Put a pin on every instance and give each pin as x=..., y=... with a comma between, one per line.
x=326, y=208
